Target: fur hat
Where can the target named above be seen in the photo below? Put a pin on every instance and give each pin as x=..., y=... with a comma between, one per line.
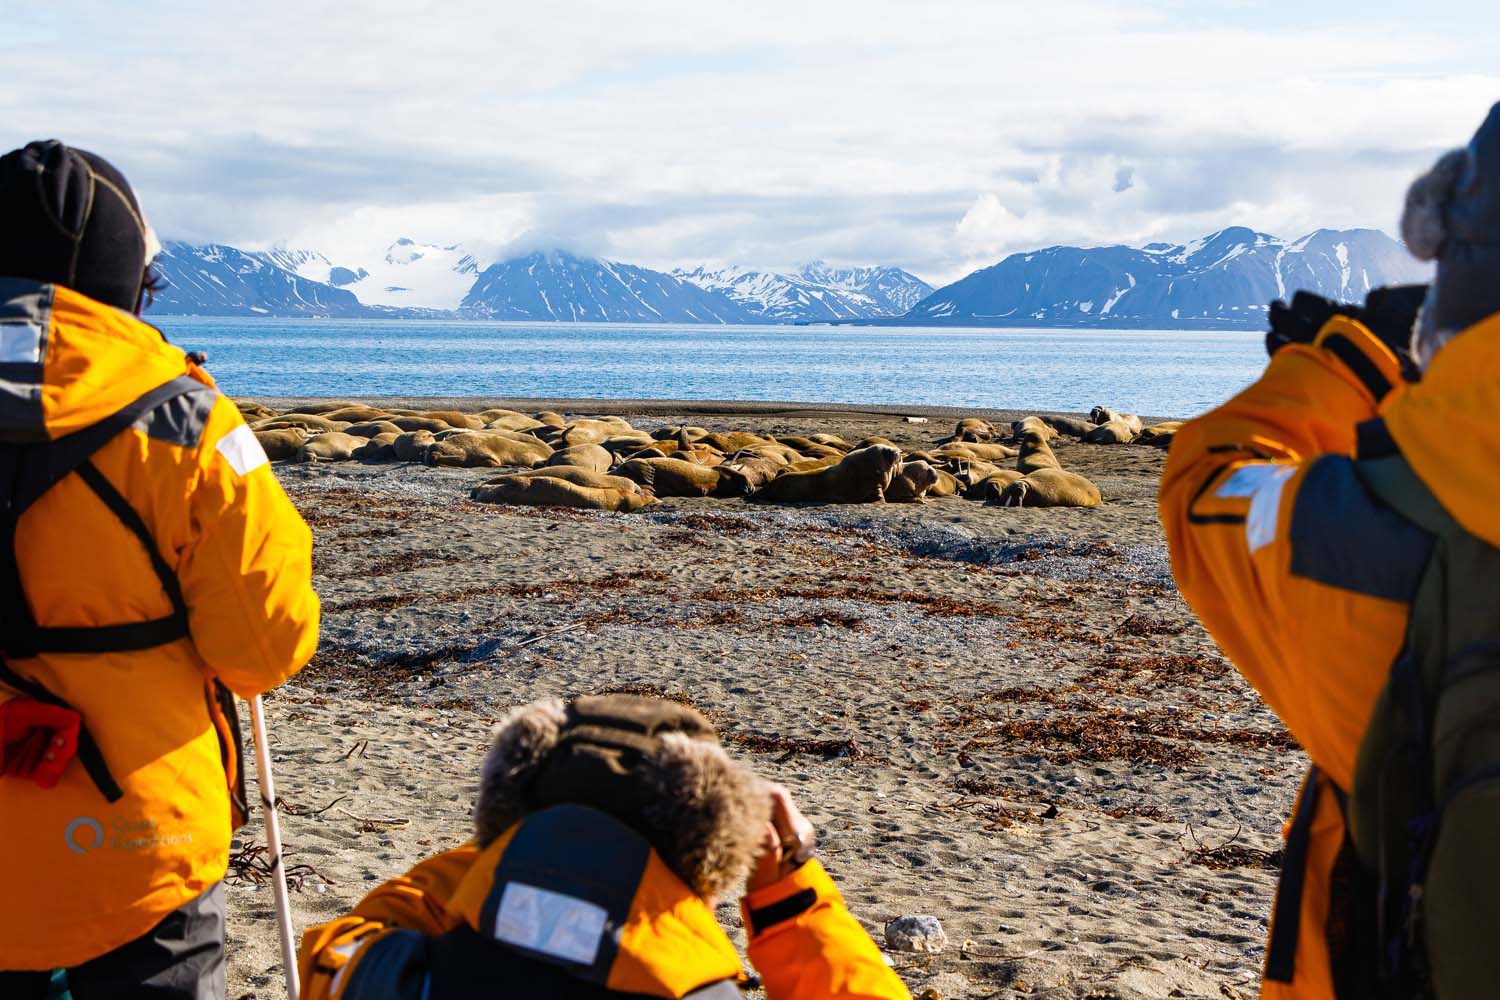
x=1452, y=216
x=654, y=765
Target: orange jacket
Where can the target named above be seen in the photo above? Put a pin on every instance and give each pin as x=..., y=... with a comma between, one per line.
x=84, y=875
x=574, y=896
x=1302, y=577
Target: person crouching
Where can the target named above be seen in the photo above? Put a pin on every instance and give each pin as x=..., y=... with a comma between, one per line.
x=606, y=830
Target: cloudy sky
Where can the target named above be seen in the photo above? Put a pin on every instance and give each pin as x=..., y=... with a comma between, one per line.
x=939, y=135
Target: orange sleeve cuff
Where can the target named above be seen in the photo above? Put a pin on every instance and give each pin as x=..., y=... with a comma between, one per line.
x=788, y=897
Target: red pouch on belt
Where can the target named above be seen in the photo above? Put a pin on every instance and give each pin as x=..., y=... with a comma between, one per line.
x=37, y=740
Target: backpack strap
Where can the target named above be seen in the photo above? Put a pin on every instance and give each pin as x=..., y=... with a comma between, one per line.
x=27, y=472
x=1286, y=913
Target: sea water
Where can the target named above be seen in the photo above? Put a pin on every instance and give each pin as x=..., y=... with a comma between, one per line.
x=1159, y=372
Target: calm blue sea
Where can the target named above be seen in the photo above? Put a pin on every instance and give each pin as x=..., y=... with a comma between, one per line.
x=1175, y=373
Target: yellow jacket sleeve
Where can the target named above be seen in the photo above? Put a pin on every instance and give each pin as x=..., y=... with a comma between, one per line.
x=1297, y=573
x=416, y=902
x=247, y=571
x=807, y=946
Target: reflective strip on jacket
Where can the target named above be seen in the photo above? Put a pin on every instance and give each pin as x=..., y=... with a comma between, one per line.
x=1301, y=576
x=571, y=903
x=84, y=876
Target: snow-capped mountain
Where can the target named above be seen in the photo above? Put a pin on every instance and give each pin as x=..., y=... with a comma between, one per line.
x=556, y=285
x=218, y=280
x=816, y=293
x=411, y=274
x=1226, y=278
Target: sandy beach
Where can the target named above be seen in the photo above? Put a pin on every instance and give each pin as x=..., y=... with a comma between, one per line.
x=1005, y=718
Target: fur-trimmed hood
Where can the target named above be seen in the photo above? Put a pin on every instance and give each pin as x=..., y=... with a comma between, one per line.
x=653, y=765
x=1452, y=216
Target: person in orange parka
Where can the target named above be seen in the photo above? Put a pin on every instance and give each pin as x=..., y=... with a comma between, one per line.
x=150, y=568
x=1302, y=573
x=606, y=831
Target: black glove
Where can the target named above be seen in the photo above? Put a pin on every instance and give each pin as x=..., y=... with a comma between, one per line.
x=1300, y=322
x=1390, y=313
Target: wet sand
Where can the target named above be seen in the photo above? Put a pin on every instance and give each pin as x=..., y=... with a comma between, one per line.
x=1006, y=718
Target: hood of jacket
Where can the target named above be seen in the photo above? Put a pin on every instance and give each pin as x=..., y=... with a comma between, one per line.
x=1448, y=428
x=573, y=887
x=67, y=361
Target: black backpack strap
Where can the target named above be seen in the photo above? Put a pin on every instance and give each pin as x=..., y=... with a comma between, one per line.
x=1286, y=922
x=26, y=473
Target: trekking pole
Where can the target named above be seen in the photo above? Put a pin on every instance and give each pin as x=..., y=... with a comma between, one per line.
x=273, y=840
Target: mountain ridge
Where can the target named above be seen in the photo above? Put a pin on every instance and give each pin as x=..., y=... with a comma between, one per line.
x=1224, y=279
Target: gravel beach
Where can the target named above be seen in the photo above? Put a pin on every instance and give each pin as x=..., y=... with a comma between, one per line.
x=1004, y=718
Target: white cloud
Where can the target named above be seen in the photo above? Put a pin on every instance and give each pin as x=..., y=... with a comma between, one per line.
x=937, y=136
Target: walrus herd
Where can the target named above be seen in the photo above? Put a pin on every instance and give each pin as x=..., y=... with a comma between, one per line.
x=603, y=463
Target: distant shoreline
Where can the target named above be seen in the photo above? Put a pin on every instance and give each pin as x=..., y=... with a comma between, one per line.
x=680, y=407
x=1251, y=325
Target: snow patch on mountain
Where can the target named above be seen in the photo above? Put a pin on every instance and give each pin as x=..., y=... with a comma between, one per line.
x=815, y=293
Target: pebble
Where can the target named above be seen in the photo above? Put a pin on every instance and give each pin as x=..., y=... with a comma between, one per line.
x=916, y=933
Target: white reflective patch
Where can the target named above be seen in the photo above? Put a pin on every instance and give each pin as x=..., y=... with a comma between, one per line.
x=1263, y=484
x=549, y=922
x=241, y=449
x=20, y=343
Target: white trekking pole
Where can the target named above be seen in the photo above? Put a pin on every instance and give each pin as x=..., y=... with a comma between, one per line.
x=273, y=840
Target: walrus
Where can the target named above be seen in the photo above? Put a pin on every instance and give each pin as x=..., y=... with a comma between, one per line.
x=861, y=477
x=254, y=411
x=947, y=484
x=1103, y=415
x=574, y=475
x=990, y=487
x=331, y=446
x=832, y=440
x=307, y=421
x=550, y=419
x=1113, y=432
x=1020, y=427
x=546, y=491
x=778, y=453
x=380, y=448
x=867, y=442
x=629, y=441
x=681, y=432
x=757, y=469
x=370, y=428
x=356, y=414
x=974, y=429
x=482, y=449
x=454, y=418
x=911, y=483
x=797, y=442
x=671, y=477
x=417, y=422
x=1159, y=435
x=410, y=446
x=1035, y=453
x=814, y=464
x=978, y=451
x=734, y=440
x=1067, y=425
x=282, y=443
x=509, y=421
x=584, y=456
x=1050, y=488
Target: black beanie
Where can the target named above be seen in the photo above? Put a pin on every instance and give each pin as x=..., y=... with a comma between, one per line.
x=67, y=217
x=1453, y=216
